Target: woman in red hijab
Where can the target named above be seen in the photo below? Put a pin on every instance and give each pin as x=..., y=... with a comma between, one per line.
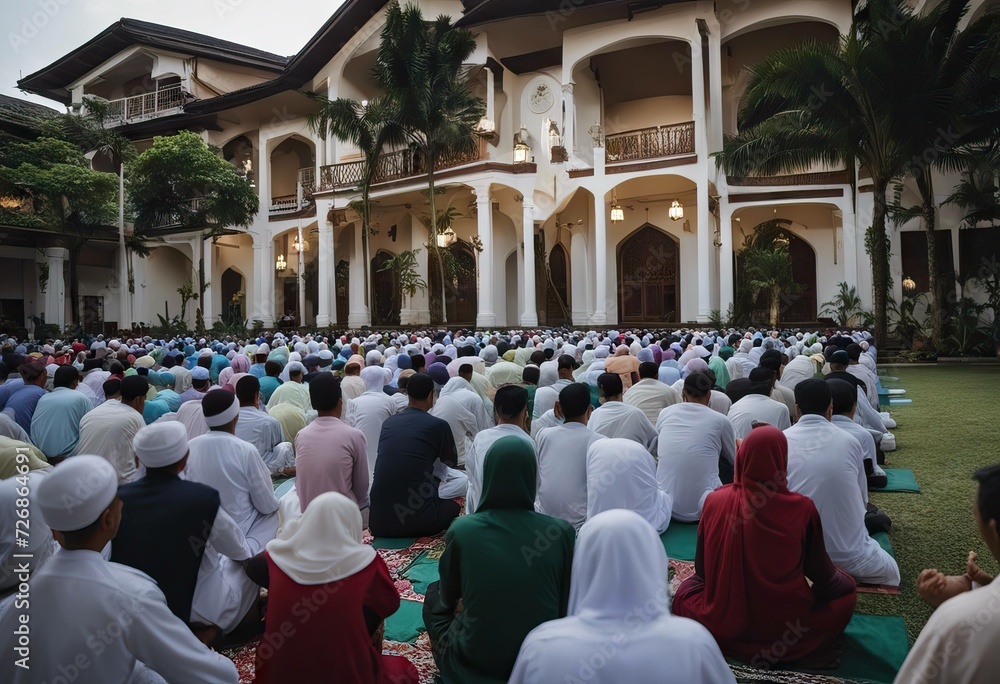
x=759, y=548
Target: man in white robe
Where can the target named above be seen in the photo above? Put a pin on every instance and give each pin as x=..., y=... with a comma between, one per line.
x=511, y=408
x=615, y=418
x=823, y=463
x=562, y=458
x=546, y=397
x=80, y=602
x=261, y=430
x=758, y=406
x=694, y=441
x=546, y=420
x=649, y=394
x=109, y=429
x=222, y=460
x=193, y=418
x=461, y=389
x=463, y=424
x=959, y=642
x=369, y=411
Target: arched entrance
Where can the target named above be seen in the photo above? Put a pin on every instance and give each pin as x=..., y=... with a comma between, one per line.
x=648, y=277
x=461, y=291
x=385, y=291
x=233, y=297
x=557, y=306
x=342, y=279
x=800, y=306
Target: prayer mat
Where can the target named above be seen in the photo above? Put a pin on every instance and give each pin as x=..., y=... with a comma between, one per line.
x=679, y=571
x=422, y=572
x=280, y=481
x=883, y=540
x=407, y=623
x=680, y=540
x=283, y=488
x=418, y=653
x=899, y=480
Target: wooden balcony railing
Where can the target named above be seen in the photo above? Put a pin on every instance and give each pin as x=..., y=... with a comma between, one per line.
x=393, y=166
x=305, y=186
x=145, y=106
x=650, y=143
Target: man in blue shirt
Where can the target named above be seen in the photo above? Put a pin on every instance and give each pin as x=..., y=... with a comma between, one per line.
x=22, y=403
x=55, y=427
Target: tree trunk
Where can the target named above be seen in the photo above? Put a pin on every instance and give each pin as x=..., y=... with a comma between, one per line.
x=434, y=232
x=925, y=185
x=74, y=284
x=774, y=301
x=879, y=246
x=366, y=219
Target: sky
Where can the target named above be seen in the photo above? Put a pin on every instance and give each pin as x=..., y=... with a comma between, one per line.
x=37, y=32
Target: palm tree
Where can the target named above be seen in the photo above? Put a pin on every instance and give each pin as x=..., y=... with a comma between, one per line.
x=951, y=110
x=422, y=69
x=765, y=264
x=835, y=104
x=977, y=193
x=845, y=306
x=371, y=127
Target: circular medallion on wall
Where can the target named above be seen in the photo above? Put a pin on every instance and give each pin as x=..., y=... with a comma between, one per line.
x=541, y=94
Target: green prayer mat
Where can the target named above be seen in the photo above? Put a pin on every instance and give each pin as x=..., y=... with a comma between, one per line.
x=282, y=487
x=899, y=480
x=422, y=572
x=883, y=540
x=875, y=647
x=405, y=624
x=680, y=540
x=393, y=544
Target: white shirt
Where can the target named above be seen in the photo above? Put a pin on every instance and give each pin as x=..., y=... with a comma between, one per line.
x=958, y=645
x=108, y=431
x=546, y=397
x=460, y=389
x=462, y=422
x=719, y=401
x=868, y=451
x=651, y=396
x=823, y=463
x=692, y=439
x=562, y=471
x=476, y=458
x=233, y=467
x=367, y=413
x=757, y=407
x=547, y=419
x=107, y=616
x=264, y=432
x=224, y=593
x=617, y=419
x=193, y=418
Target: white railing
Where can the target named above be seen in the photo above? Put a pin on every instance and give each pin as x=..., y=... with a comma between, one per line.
x=146, y=106
x=303, y=197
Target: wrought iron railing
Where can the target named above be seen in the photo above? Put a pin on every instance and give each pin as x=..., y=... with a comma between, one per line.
x=650, y=143
x=284, y=203
x=393, y=166
x=305, y=186
x=145, y=106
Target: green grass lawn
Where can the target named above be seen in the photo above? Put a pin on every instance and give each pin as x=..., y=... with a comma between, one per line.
x=949, y=431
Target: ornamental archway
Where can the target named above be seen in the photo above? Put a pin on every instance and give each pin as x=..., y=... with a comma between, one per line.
x=648, y=277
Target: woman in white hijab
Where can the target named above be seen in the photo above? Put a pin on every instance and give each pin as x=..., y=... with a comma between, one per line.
x=321, y=553
x=621, y=473
x=619, y=608
x=800, y=368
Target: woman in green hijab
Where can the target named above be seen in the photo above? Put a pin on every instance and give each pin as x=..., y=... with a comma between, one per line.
x=504, y=571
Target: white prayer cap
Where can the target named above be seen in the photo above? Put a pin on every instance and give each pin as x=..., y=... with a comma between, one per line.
x=161, y=444
x=220, y=408
x=77, y=492
x=264, y=349
x=199, y=373
x=205, y=352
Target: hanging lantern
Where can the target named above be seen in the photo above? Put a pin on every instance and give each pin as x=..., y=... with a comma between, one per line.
x=280, y=264
x=909, y=284
x=617, y=213
x=676, y=212
x=446, y=238
x=300, y=246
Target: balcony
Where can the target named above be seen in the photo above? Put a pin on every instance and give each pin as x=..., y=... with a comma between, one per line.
x=650, y=143
x=303, y=197
x=169, y=100
x=393, y=166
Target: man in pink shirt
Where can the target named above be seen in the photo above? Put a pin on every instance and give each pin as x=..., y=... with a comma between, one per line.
x=330, y=455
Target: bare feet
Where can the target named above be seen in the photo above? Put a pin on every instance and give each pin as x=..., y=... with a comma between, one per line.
x=974, y=571
x=936, y=587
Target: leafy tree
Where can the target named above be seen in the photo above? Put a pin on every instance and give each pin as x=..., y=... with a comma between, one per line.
x=813, y=103
x=371, y=128
x=950, y=87
x=845, y=307
x=421, y=67
x=768, y=267
x=54, y=189
x=182, y=185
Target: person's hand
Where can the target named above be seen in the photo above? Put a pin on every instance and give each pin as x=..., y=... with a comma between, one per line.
x=975, y=573
x=936, y=587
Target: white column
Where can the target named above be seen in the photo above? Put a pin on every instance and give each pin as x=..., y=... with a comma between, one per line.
x=55, y=291
x=530, y=316
x=600, y=316
x=207, y=310
x=704, y=237
x=358, y=315
x=704, y=232
x=267, y=283
x=715, y=86
x=124, y=310
x=259, y=273
x=726, y=292
x=569, y=125
x=327, y=295
x=849, y=232
x=485, y=318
